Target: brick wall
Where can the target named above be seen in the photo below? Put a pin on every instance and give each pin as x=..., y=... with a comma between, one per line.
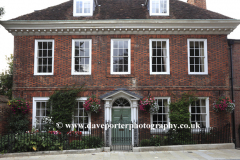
x=27, y=85
x=236, y=86
x=198, y=3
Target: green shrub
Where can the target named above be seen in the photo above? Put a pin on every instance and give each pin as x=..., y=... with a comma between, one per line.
x=156, y=141
x=145, y=142
x=26, y=142
x=92, y=142
x=76, y=144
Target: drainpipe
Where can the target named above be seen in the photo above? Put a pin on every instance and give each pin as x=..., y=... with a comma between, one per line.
x=230, y=43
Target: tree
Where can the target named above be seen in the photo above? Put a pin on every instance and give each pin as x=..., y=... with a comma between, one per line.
x=1, y=11
x=6, y=79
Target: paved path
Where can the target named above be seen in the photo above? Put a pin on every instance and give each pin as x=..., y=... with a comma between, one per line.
x=168, y=155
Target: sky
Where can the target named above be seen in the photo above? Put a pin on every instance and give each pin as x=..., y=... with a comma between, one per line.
x=15, y=8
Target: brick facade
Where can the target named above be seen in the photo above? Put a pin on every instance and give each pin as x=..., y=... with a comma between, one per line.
x=198, y=3
x=236, y=86
x=216, y=83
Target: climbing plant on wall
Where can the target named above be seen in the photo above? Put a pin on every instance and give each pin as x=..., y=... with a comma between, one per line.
x=61, y=105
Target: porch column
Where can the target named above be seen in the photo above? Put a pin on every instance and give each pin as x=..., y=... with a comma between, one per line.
x=107, y=112
x=134, y=120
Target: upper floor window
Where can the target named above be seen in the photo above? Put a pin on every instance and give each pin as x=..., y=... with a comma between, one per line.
x=159, y=7
x=44, y=57
x=199, y=110
x=197, y=56
x=81, y=56
x=159, y=56
x=83, y=8
x=120, y=56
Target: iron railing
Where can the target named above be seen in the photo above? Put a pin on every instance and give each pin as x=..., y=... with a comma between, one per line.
x=49, y=141
x=183, y=136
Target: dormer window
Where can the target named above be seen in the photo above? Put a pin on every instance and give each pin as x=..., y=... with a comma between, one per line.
x=159, y=7
x=83, y=8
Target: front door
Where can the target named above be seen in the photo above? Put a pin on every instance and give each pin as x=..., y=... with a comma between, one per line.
x=121, y=118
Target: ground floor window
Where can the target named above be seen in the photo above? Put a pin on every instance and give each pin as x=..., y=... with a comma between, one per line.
x=199, y=110
x=161, y=118
x=80, y=117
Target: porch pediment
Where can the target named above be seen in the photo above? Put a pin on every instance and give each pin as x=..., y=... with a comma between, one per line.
x=111, y=94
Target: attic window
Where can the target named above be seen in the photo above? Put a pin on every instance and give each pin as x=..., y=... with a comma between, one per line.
x=83, y=8
x=159, y=7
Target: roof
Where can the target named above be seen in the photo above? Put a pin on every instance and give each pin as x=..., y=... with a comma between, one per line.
x=122, y=9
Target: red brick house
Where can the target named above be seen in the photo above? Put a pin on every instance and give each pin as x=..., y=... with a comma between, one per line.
x=234, y=48
x=124, y=50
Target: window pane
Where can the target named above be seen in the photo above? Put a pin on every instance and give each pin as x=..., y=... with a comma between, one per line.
x=45, y=45
x=120, y=44
x=125, y=44
x=125, y=68
x=125, y=60
x=115, y=52
x=120, y=68
x=49, y=68
x=154, y=52
x=86, y=60
x=191, y=52
x=120, y=52
x=154, y=60
x=49, y=61
x=86, y=44
x=49, y=53
x=191, y=68
x=44, y=53
x=49, y=45
x=40, y=45
x=125, y=52
x=44, y=69
x=39, y=69
x=154, y=68
x=196, y=52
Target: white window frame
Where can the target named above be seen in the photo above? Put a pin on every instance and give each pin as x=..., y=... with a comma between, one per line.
x=160, y=130
x=158, y=14
x=83, y=99
x=167, y=58
x=205, y=57
x=90, y=57
x=129, y=57
x=207, y=113
x=34, y=109
x=36, y=56
x=82, y=14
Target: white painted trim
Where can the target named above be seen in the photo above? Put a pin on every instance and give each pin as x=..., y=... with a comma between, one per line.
x=106, y=98
x=150, y=57
x=207, y=112
x=205, y=59
x=90, y=57
x=34, y=106
x=36, y=59
x=75, y=14
x=168, y=119
x=159, y=14
x=129, y=57
x=127, y=26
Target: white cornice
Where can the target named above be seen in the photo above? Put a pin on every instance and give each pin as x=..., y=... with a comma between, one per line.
x=104, y=27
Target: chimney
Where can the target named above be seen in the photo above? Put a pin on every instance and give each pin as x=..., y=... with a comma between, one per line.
x=198, y=3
